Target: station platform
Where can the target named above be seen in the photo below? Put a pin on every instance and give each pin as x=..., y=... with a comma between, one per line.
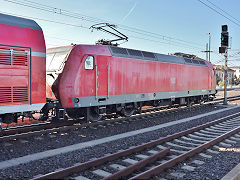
x=234, y=174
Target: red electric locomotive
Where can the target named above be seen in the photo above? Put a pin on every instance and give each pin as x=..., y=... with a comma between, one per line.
x=22, y=67
x=91, y=80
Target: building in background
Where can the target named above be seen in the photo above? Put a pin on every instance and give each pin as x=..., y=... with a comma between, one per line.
x=237, y=71
x=236, y=74
x=219, y=70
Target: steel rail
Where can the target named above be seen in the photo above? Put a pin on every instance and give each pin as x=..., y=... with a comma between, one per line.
x=233, y=99
x=58, y=174
x=130, y=169
x=218, y=99
x=34, y=127
x=156, y=170
x=83, y=166
x=63, y=127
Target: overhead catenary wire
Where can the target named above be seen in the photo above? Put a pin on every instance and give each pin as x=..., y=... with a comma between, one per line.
x=223, y=10
x=157, y=38
x=50, y=9
x=81, y=26
x=219, y=13
x=226, y=15
x=47, y=20
x=162, y=42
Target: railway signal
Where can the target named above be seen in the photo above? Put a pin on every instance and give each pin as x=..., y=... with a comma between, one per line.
x=224, y=39
x=224, y=36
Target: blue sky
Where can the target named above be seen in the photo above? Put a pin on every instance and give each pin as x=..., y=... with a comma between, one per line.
x=180, y=25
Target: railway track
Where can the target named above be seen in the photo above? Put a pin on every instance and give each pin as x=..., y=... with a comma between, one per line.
x=232, y=98
x=36, y=130
x=46, y=128
x=33, y=127
x=148, y=160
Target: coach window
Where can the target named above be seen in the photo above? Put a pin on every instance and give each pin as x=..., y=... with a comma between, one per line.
x=89, y=63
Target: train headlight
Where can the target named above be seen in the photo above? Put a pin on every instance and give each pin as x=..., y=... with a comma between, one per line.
x=76, y=100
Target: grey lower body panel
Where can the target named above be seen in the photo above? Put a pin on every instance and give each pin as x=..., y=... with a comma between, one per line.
x=21, y=108
x=127, y=98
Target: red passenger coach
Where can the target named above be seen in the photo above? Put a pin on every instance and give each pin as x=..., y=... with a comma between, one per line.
x=99, y=79
x=22, y=67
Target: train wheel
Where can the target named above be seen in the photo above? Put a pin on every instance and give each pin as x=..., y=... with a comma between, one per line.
x=75, y=113
x=190, y=103
x=43, y=117
x=139, y=108
x=93, y=114
x=39, y=116
x=9, y=118
x=127, y=111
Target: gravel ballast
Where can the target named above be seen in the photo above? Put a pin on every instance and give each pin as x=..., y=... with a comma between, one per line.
x=22, y=147
x=64, y=160
x=214, y=168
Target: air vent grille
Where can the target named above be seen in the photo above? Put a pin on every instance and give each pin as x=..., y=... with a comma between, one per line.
x=13, y=57
x=195, y=61
x=148, y=54
x=13, y=94
x=145, y=55
x=188, y=60
x=118, y=50
x=202, y=62
x=20, y=94
x=20, y=58
x=133, y=52
x=5, y=57
x=5, y=94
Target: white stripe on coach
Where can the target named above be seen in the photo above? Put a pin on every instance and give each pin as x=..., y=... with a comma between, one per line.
x=39, y=54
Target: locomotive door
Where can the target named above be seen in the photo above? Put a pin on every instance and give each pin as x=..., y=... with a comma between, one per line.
x=102, y=78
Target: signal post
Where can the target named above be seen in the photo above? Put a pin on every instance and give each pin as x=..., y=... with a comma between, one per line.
x=223, y=49
x=225, y=78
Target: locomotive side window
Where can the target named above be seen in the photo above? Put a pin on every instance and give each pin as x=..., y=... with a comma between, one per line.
x=89, y=63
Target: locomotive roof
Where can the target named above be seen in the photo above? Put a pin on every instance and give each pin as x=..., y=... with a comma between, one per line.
x=132, y=53
x=137, y=54
x=18, y=21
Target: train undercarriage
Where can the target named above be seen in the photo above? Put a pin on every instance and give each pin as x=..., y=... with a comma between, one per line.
x=95, y=113
x=54, y=112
